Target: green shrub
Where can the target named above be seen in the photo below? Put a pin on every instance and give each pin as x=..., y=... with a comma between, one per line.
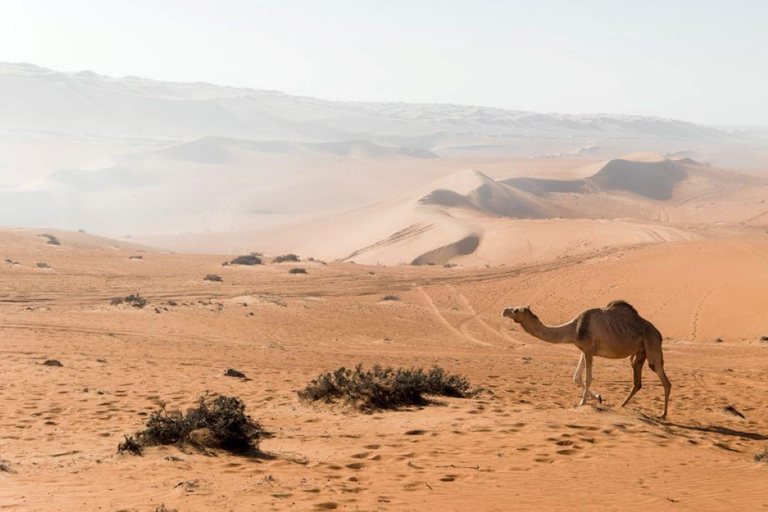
x=297, y=271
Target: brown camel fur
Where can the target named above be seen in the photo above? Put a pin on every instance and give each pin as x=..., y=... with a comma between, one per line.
x=615, y=331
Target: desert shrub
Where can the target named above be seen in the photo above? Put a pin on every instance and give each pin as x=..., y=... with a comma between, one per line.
x=231, y=372
x=137, y=257
x=133, y=299
x=297, y=271
x=762, y=457
x=52, y=240
x=42, y=265
x=52, y=362
x=5, y=466
x=384, y=388
x=131, y=445
x=248, y=259
x=450, y=265
x=390, y=297
x=213, y=277
x=286, y=257
x=163, y=508
x=223, y=417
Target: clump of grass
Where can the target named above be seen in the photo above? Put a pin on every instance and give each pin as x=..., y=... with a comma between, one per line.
x=286, y=257
x=247, y=259
x=385, y=388
x=762, y=457
x=133, y=299
x=52, y=240
x=231, y=372
x=297, y=271
x=223, y=418
x=390, y=297
x=42, y=265
x=213, y=277
x=52, y=362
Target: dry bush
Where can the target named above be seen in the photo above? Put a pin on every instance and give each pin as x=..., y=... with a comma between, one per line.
x=42, y=265
x=223, y=418
x=52, y=240
x=384, y=388
x=213, y=277
x=297, y=271
x=247, y=259
x=390, y=297
x=133, y=299
x=286, y=257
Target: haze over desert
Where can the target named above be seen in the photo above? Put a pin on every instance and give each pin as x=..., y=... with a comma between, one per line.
x=363, y=258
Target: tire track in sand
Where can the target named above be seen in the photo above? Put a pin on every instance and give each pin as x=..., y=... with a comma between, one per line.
x=443, y=321
x=463, y=325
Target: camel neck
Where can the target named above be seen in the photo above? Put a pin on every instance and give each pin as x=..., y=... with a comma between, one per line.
x=558, y=334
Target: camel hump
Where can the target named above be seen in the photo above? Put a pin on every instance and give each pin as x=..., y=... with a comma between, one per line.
x=620, y=304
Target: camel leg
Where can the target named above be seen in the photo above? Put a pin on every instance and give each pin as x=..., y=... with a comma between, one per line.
x=580, y=383
x=588, y=379
x=637, y=372
x=656, y=363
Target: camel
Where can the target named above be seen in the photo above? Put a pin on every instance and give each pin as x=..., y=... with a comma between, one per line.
x=615, y=332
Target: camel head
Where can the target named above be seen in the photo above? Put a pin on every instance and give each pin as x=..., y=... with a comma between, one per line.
x=518, y=314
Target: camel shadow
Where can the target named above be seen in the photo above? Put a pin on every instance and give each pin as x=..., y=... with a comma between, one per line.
x=711, y=429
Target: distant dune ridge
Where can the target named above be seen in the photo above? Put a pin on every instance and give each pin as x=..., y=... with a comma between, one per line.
x=201, y=167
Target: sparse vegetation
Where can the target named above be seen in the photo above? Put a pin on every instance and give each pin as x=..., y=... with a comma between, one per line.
x=450, y=265
x=286, y=257
x=163, y=508
x=230, y=372
x=390, y=297
x=220, y=422
x=762, y=457
x=136, y=257
x=134, y=300
x=52, y=362
x=384, y=388
x=248, y=259
x=213, y=277
x=5, y=466
x=11, y=262
x=42, y=265
x=52, y=240
x=297, y=271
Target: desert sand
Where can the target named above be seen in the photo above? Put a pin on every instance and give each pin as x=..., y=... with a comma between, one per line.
x=456, y=211
x=521, y=444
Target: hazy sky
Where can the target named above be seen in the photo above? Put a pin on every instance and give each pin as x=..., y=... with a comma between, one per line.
x=703, y=61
